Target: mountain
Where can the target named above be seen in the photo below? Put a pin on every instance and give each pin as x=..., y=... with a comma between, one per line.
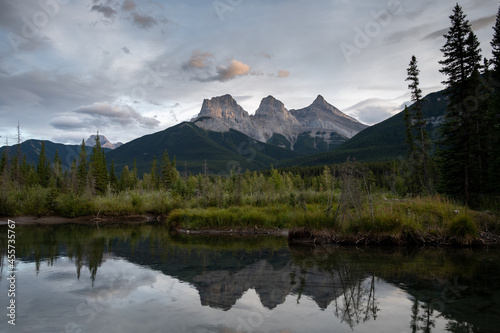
x=316, y=128
x=192, y=146
x=322, y=116
x=384, y=141
x=31, y=149
x=105, y=143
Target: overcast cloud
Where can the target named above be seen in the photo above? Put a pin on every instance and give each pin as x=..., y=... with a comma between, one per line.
x=128, y=68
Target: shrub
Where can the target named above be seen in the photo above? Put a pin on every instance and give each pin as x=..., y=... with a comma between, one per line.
x=35, y=201
x=463, y=226
x=8, y=204
x=71, y=205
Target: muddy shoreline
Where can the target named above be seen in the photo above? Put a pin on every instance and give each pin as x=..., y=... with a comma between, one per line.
x=296, y=236
x=86, y=220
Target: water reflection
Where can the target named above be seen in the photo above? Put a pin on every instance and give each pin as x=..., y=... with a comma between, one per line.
x=83, y=279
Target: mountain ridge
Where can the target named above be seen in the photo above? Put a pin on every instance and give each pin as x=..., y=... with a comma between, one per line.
x=320, y=121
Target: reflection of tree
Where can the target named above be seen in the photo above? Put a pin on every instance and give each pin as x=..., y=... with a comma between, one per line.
x=456, y=327
x=422, y=321
x=94, y=258
x=426, y=319
x=359, y=302
x=414, y=316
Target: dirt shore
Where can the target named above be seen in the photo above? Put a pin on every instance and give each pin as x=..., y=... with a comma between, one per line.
x=89, y=220
x=299, y=236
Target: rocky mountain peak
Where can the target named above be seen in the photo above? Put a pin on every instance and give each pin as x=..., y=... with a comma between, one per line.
x=223, y=113
x=320, y=101
x=105, y=143
x=222, y=107
x=271, y=107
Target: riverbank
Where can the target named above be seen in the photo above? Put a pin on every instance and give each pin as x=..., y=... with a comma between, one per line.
x=85, y=220
x=312, y=218
x=298, y=236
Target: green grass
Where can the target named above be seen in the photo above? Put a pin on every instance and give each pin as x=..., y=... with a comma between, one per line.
x=400, y=218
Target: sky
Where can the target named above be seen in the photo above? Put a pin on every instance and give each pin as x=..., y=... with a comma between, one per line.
x=127, y=68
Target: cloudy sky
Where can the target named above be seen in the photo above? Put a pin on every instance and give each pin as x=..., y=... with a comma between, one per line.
x=131, y=67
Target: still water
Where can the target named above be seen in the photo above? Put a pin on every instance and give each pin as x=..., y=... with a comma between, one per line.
x=142, y=279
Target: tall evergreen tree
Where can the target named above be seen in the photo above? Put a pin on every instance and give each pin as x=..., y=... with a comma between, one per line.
x=461, y=63
x=99, y=168
x=422, y=140
x=169, y=173
x=71, y=181
x=494, y=113
x=113, y=180
x=57, y=172
x=3, y=162
x=154, y=174
x=495, y=45
x=43, y=168
x=82, y=168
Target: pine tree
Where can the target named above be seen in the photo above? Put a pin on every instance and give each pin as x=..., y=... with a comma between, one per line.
x=71, y=181
x=421, y=143
x=3, y=162
x=99, y=168
x=494, y=114
x=125, y=179
x=57, y=173
x=462, y=60
x=82, y=168
x=43, y=168
x=154, y=174
x=168, y=174
x=135, y=176
x=113, y=180
x=495, y=44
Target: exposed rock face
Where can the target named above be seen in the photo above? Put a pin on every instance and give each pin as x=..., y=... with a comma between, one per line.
x=321, y=115
x=220, y=114
x=223, y=113
x=272, y=117
x=90, y=142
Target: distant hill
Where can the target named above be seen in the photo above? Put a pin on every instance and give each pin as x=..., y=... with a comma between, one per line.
x=192, y=146
x=31, y=148
x=384, y=141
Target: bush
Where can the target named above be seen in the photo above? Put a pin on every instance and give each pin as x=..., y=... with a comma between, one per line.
x=71, y=205
x=35, y=201
x=8, y=204
x=463, y=226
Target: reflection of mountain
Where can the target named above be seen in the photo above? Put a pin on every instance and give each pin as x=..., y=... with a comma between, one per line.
x=460, y=286
x=221, y=289
x=221, y=278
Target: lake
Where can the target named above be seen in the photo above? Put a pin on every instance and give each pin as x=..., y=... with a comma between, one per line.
x=142, y=278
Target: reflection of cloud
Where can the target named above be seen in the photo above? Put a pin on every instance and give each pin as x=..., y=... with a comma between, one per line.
x=373, y=110
x=122, y=286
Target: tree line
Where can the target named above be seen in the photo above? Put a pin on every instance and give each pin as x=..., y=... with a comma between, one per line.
x=87, y=174
x=467, y=162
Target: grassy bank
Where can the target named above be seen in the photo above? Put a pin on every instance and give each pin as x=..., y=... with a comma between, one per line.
x=346, y=206
x=432, y=219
